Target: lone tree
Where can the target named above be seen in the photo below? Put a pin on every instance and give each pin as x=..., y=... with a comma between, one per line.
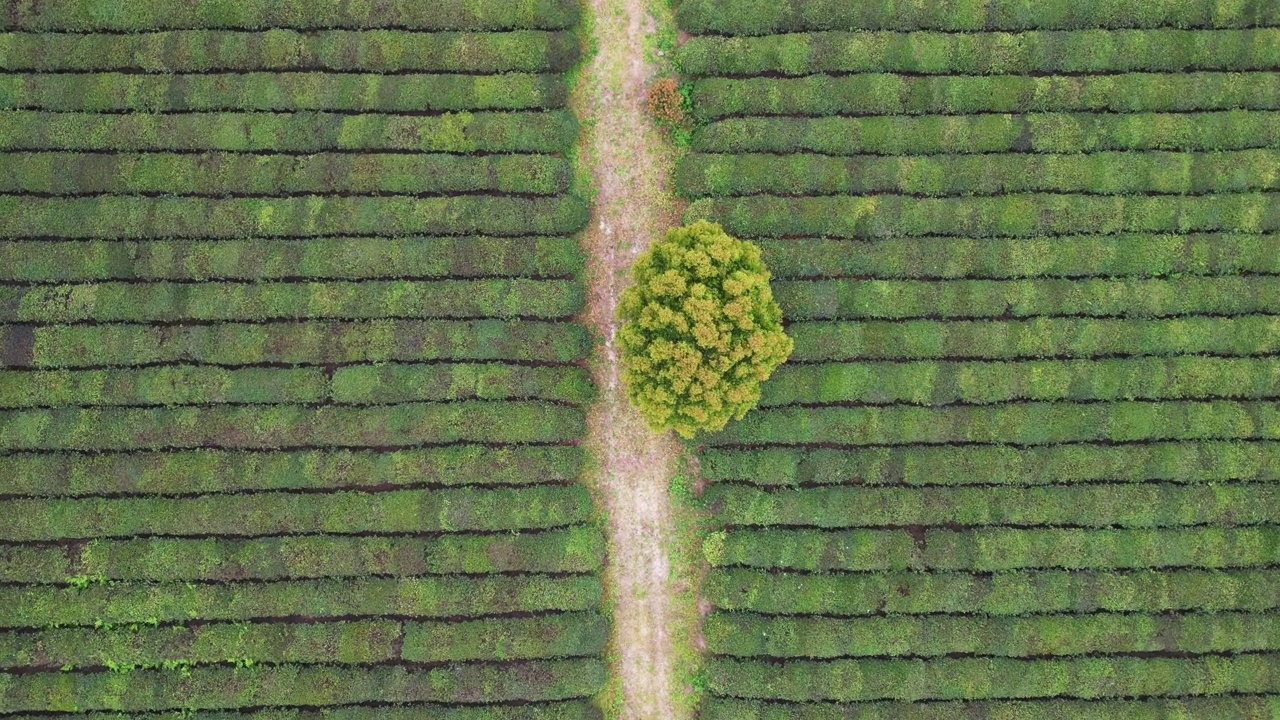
x=700, y=330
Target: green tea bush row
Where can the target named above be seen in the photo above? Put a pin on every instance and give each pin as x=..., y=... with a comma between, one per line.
x=205, y=688
x=367, y=641
x=175, y=302
x=1129, y=505
x=746, y=635
x=1122, y=255
x=1039, y=132
x=982, y=678
x=172, y=385
x=559, y=710
x=938, y=383
x=98, y=92
x=1040, y=337
x=57, y=173
x=1028, y=423
x=393, y=511
x=375, y=384
x=890, y=94
x=1247, y=707
x=129, y=217
x=1132, y=297
x=978, y=53
x=554, y=636
x=142, y=603
x=321, y=258
x=288, y=426
x=178, y=51
x=185, y=384
x=748, y=17
x=534, y=132
x=84, y=15
x=705, y=175
x=993, y=549
x=357, y=642
x=309, y=343
x=573, y=550
x=1014, y=215
x=1189, y=462
x=209, y=471
x=1002, y=594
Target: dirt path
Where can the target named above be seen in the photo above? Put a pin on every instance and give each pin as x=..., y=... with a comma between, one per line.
x=630, y=165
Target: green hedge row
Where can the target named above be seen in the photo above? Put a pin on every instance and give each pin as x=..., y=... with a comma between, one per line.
x=574, y=550
x=937, y=383
x=1122, y=255
x=368, y=641
x=172, y=385
x=1015, y=215
x=369, y=50
x=1040, y=337
x=1041, y=132
x=1223, y=708
x=747, y=635
x=749, y=17
x=127, y=217
x=1128, y=505
x=393, y=511
x=559, y=710
x=534, y=132
x=988, y=550
x=207, y=471
x=99, y=92
x=356, y=642
x=1208, y=462
x=1002, y=593
x=288, y=426
x=83, y=15
x=430, y=597
x=351, y=257
x=1029, y=423
x=406, y=383
x=308, y=343
x=1124, y=173
x=292, y=685
x=982, y=678
x=889, y=94
x=565, y=635
x=1129, y=297
x=175, y=302
x=58, y=173
x=979, y=53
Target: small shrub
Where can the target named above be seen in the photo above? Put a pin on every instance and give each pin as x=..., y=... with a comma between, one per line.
x=701, y=330
x=668, y=104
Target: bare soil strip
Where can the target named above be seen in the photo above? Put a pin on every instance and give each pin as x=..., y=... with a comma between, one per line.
x=631, y=167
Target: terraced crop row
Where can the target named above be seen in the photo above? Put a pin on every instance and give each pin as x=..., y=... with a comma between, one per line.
x=1023, y=461
x=290, y=383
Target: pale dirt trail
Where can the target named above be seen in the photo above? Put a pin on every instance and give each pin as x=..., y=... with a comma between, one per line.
x=630, y=168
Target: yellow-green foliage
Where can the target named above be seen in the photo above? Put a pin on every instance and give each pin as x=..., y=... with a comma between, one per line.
x=701, y=330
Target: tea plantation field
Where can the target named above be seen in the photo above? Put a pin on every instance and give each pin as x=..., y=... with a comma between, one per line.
x=1024, y=461
x=290, y=382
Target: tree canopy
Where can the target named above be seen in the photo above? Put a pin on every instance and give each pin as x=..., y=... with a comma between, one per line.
x=700, y=330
